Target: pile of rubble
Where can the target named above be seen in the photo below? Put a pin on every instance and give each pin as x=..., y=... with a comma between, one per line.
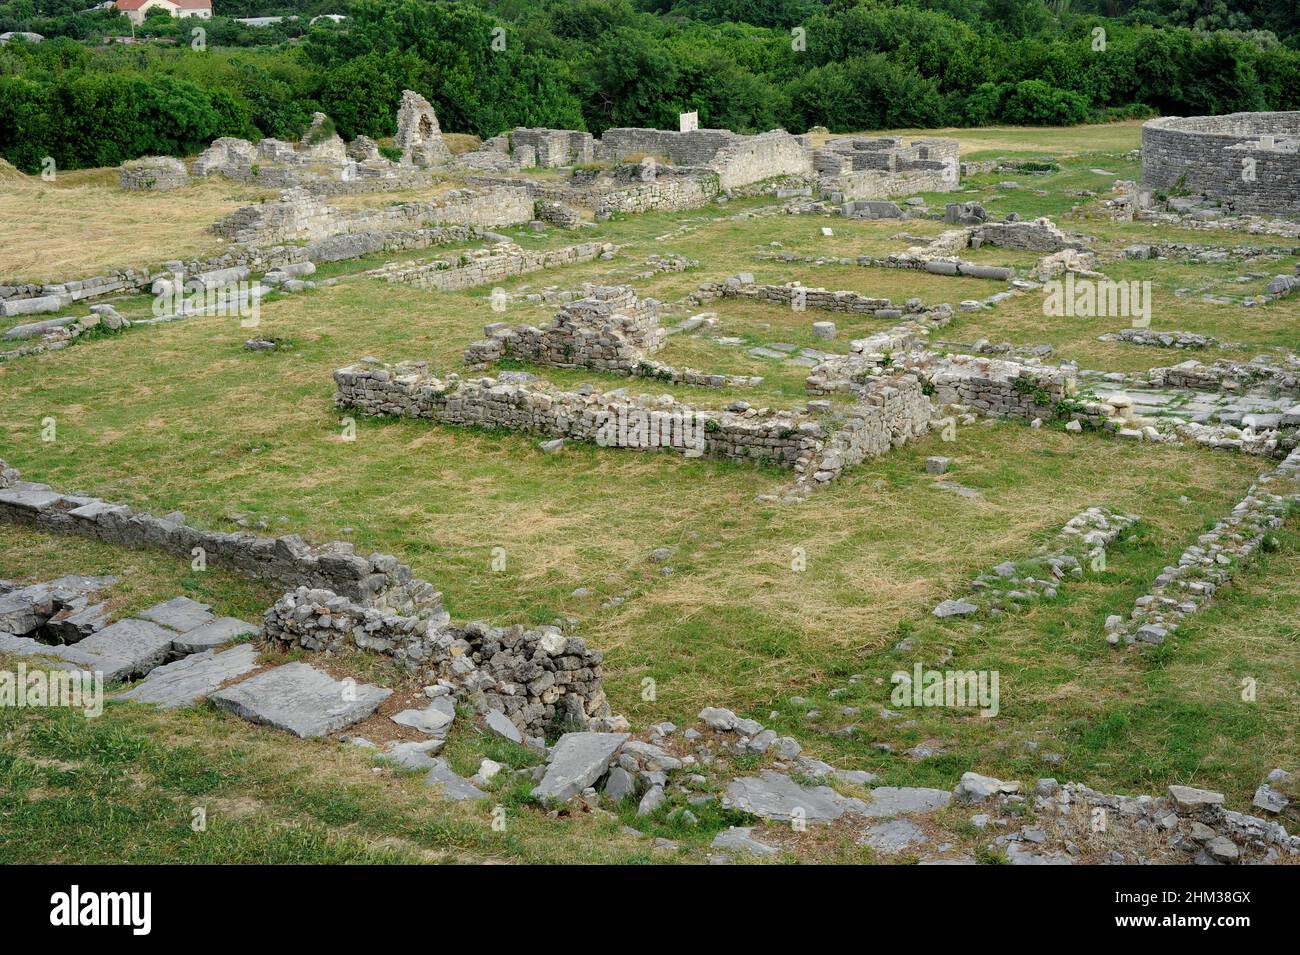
x=1083, y=540
x=1160, y=339
x=538, y=678
x=58, y=333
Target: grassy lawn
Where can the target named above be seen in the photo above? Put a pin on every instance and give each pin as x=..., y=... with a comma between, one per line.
x=181, y=416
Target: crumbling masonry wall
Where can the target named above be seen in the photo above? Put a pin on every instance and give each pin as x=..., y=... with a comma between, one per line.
x=485, y=266
x=609, y=329
x=299, y=215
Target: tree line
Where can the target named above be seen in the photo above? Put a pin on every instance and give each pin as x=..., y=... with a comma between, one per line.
x=747, y=65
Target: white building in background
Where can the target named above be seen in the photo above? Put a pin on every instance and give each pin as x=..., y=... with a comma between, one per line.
x=136, y=10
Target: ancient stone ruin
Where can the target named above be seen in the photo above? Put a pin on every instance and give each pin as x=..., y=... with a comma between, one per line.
x=419, y=136
x=1250, y=162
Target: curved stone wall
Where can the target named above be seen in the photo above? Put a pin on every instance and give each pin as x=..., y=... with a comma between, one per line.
x=1250, y=161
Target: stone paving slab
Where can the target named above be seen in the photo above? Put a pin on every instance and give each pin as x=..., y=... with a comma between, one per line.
x=900, y=800
x=770, y=795
x=188, y=680
x=213, y=634
x=301, y=700
x=180, y=614
x=128, y=648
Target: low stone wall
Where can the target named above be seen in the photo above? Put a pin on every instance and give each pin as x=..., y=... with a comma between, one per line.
x=606, y=329
x=1213, y=560
x=1038, y=235
x=891, y=411
x=665, y=193
x=609, y=329
x=153, y=174
x=796, y=295
x=378, y=581
x=485, y=266
x=1229, y=375
x=1159, y=339
x=407, y=390
x=299, y=215
x=999, y=387
x=868, y=359
x=539, y=678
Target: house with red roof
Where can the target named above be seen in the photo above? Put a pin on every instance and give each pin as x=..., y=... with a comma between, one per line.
x=136, y=10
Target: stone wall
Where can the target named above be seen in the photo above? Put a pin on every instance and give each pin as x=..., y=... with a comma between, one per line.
x=607, y=329
x=379, y=581
x=610, y=329
x=419, y=136
x=1230, y=375
x=868, y=359
x=1038, y=235
x=552, y=148
x=538, y=678
x=485, y=266
x=855, y=167
x=1249, y=161
x=891, y=411
x=794, y=294
x=407, y=390
x=999, y=387
x=153, y=173
x=299, y=215
x=671, y=190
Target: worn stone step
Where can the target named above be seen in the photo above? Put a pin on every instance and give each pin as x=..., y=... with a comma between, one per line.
x=300, y=699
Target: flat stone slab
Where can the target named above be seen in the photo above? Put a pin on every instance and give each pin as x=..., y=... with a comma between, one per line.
x=179, y=613
x=901, y=800
x=128, y=648
x=456, y=788
x=434, y=719
x=894, y=836
x=578, y=761
x=738, y=839
x=213, y=634
x=29, y=497
x=301, y=700
x=414, y=755
x=954, y=608
x=771, y=795
x=502, y=725
x=188, y=680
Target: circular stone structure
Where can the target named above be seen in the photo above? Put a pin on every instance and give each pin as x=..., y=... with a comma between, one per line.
x=1248, y=161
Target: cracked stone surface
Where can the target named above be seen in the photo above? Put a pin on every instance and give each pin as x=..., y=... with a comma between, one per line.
x=301, y=700
x=578, y=761
x=902, y=800
x=213, y=634
x=180, y=614
x=894, y=836
x=771, y=795
x=188, y=680
x=128, y=648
